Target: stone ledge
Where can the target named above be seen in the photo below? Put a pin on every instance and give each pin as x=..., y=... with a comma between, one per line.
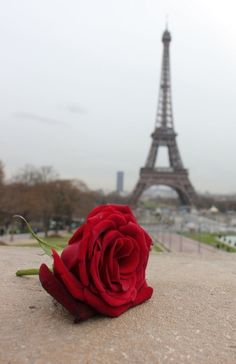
x=190, y=319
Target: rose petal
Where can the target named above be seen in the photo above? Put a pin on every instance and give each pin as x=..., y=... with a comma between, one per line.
x=69, y=280
x=56, y=289
x=110, y=238
x=94, y=272
x=140, y=277
x=148, y=238
x=104, y=210
x=118, y=219
x=82, y=261
x=133, y=230
x=124, y=247
x=113, y=266
x=113, y=285
x=103, y=307
x=69, y=255
x=130, y=263
x=77, y=235
x=120, y=298
x=143, y=295
x=102, y=227
x=125, y=284
x=137, y=233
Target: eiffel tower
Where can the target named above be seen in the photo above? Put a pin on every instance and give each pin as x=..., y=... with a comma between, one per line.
x=175, y=176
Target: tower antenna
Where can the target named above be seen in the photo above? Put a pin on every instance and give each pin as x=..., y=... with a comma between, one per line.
x=167, y=20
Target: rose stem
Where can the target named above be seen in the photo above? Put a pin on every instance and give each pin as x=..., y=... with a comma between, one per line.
x=27, y=272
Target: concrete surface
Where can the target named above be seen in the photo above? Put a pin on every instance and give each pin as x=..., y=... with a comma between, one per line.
x=190, y=319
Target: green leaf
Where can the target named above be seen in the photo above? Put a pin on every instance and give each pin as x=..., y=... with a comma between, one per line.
x=47, y=248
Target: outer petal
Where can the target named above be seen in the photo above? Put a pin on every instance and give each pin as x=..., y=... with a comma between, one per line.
x=69, y=255
x=77, y=235
x=56, y=289
x=69, y=280
x=123, y=210
x=104, y=308
x=143, y=295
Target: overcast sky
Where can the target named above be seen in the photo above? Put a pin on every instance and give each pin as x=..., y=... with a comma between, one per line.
x=80, y=79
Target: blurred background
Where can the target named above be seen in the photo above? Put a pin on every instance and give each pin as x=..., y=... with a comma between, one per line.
x=79, y=91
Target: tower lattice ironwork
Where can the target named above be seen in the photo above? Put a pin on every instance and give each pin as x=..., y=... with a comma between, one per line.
x=175, y=176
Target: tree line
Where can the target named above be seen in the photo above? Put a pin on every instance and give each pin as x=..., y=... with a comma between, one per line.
x=45, y=200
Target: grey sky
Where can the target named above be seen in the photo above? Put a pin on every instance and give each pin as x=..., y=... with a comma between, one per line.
x=80, y=79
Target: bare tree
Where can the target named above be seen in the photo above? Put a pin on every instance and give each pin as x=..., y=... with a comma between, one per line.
x=31, y=175
x=2, y=174
x=46, y=201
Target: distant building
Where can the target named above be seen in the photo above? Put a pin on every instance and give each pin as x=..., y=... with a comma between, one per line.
x=120, y=181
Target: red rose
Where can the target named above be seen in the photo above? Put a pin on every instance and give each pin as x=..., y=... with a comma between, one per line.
x=103, y=267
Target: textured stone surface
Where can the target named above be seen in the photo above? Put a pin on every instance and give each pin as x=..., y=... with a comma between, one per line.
x=190, y=319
